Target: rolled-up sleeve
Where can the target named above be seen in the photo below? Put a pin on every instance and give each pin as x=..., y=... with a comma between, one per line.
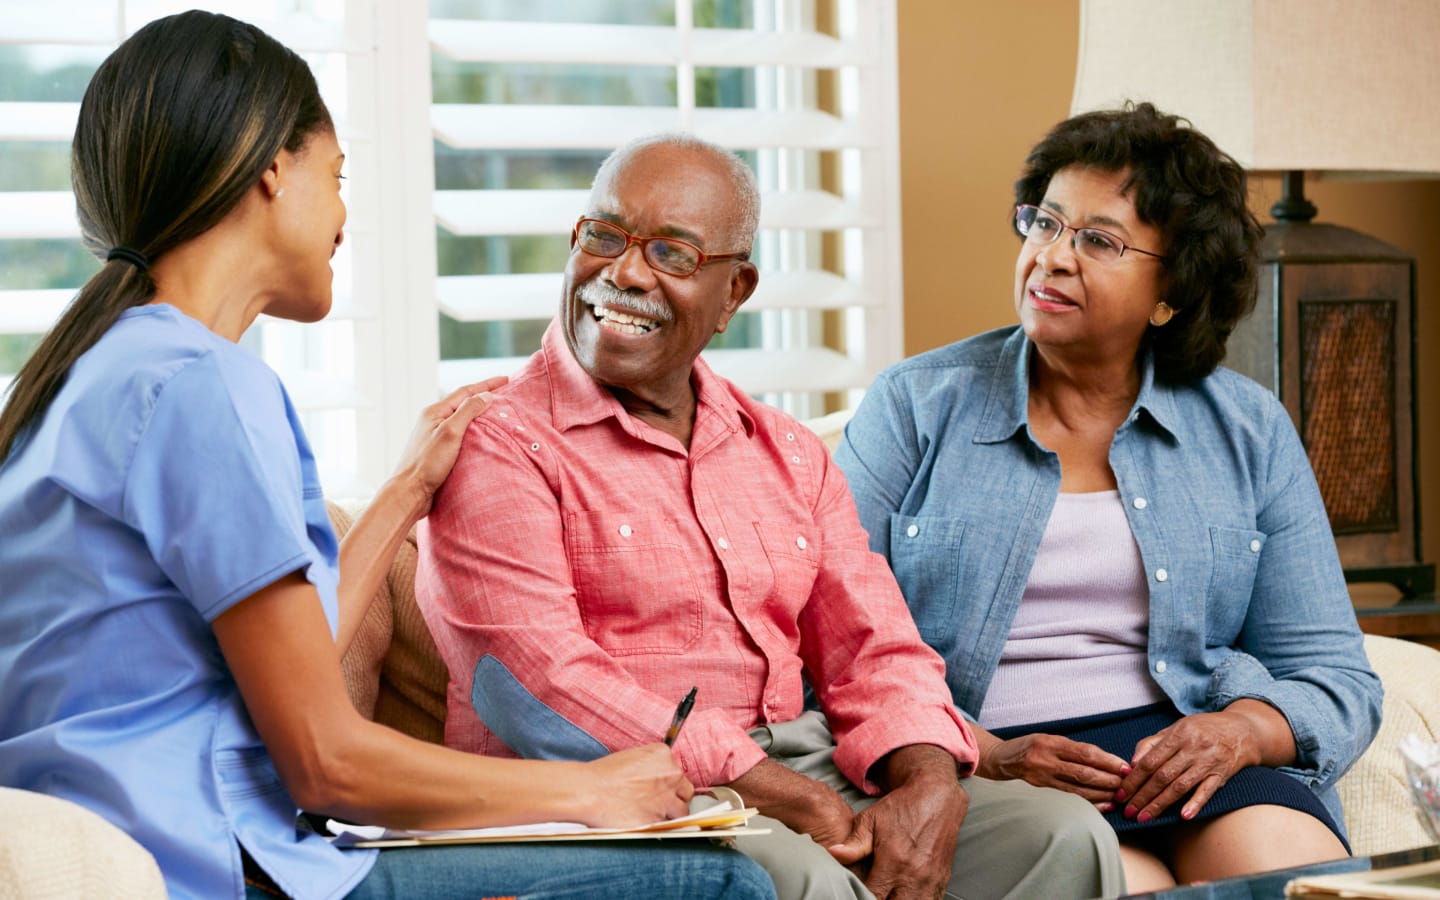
x=880, y=685
x=1300, y=649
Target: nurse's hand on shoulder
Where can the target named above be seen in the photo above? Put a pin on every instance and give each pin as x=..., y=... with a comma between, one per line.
x=639, y=786
x=435, y=443
x=1049, y=760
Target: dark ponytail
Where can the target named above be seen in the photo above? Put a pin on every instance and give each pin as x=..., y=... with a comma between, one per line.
x=176, y=126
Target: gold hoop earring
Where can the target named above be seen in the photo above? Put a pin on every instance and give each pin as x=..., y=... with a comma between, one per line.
x=1162, y=314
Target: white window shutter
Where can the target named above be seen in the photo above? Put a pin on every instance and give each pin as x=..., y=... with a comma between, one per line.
x=790, y=364
x=361, y=377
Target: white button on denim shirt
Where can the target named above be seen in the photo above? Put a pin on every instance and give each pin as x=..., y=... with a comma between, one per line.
x=956, y=494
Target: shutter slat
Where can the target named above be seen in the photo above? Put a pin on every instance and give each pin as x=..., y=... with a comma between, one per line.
x=548, y=127
x=37, y=215
x=31, y=312
x=38, y=121
x=38, y=23
x=502, y=298
x=493, y=212
x=545, y=42
x=25, y=121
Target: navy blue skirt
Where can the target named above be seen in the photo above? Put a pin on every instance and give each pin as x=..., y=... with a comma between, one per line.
x=1118, y=733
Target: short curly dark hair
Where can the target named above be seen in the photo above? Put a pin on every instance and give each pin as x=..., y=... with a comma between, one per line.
x=1195, y=194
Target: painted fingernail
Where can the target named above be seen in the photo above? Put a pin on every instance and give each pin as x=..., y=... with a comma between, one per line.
x=1120, y=796
x=1144, y=817
x=1106, y=807
x=1130, y=811
x=1125, y=770
x=1187, y=813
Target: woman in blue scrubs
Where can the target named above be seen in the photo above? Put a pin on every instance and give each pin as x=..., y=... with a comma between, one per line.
x=172, y=612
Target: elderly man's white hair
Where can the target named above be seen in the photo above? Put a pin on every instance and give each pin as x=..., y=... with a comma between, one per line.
x=747, y=191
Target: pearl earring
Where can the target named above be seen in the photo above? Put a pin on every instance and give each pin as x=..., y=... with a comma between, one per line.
x=279, y=193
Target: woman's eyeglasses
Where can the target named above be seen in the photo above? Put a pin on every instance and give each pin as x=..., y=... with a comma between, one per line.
x=1041, y=226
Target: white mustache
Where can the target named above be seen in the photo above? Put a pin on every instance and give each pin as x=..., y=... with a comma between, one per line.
x=597, y=293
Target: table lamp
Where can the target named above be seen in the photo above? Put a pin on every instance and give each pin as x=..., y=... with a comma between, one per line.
x=1335, y=88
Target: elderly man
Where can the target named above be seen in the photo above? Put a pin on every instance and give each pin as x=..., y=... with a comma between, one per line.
x=624, y=525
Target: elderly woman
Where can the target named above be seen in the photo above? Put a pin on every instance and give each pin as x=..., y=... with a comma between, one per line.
x=1119, y=548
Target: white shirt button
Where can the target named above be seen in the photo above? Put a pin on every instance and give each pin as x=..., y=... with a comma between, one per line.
x=789, y=435
x=724, y=544
x=503, y=415
x=626, y=531
x=1255, y=546
x=795, y=459
x=801, y=542
x=912, y=531
x=534, y=446
x=1161, y=575
x=1141, y=503
x=1160, y=667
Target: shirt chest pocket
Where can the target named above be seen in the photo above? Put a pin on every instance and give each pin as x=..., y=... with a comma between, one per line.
x=1234, y=559
x=792, y=551
x=925, y=554
x=634, y=586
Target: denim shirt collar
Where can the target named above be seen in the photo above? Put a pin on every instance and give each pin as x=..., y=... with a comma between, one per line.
x=1007, y=406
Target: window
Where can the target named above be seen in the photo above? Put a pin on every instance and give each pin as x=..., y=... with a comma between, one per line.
x=47, y=57
x=473, y=130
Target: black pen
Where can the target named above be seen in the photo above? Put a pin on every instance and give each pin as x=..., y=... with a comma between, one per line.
x=681, y=712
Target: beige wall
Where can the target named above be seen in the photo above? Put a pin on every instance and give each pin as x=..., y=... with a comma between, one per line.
x=971, y=107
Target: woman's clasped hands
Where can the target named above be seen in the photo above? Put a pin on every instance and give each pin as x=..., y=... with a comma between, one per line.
x=1194, y=757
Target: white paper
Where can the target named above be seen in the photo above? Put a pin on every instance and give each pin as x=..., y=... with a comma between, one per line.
x=347, y=834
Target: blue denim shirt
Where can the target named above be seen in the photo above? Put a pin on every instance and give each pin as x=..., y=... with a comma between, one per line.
x=1247, y=598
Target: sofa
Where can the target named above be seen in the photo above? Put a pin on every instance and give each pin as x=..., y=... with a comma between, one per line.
x=53, y=848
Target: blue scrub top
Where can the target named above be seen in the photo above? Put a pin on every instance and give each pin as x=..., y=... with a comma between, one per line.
x=169, y=480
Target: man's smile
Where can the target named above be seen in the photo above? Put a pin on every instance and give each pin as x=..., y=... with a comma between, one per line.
x=624, y=322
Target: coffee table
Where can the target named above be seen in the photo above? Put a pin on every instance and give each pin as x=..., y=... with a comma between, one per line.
x=1271, y=885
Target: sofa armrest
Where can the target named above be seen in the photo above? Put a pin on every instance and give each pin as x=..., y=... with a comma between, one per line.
x=393, y=670
x=51, y=847
x=1379, y=813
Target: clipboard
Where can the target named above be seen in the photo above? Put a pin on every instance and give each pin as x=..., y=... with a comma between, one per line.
x=726, y=819
x=1420, y=881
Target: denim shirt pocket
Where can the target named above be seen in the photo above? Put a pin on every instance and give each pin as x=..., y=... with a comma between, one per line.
x=633, y=584
x=1235, y=557
x=925, y=554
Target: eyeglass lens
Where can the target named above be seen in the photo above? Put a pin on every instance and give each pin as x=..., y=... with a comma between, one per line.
x=1040, y=227
x=665, y=254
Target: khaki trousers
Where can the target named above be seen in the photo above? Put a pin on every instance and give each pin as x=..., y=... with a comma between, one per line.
x=1018, y=841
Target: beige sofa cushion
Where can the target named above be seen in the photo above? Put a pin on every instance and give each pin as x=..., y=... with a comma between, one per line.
x=54, y=848
x=394, y=673
x=1379, y=812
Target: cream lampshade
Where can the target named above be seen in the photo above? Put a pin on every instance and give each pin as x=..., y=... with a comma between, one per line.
x=1336, y=88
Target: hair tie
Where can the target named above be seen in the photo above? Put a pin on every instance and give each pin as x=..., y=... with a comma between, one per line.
x=133, y=257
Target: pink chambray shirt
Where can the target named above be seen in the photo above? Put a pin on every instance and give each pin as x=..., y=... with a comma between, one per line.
x=603, y=571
